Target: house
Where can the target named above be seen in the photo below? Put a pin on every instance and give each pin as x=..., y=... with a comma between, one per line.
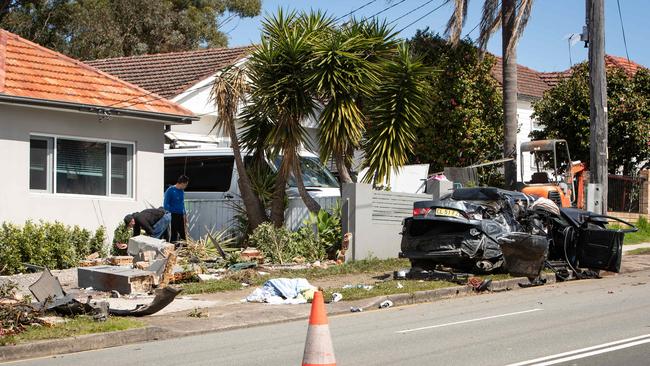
x=78, y=145
x=186, y=77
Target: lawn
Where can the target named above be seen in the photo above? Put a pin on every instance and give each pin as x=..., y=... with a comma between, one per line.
x=233, y=281
x=641, y=236
x=74, y=327
x=393, y=287
x=639, y=251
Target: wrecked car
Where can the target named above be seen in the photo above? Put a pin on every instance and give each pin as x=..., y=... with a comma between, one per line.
x=488, y=229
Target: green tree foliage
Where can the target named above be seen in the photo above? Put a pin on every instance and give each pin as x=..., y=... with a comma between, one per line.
x=90, y=29
x=465, y=123
x=563, y=113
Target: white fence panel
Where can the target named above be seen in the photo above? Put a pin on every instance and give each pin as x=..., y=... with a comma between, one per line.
x=219, y=214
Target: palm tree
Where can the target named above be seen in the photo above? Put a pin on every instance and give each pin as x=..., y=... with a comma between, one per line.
x=279, y=74
x=512, y=16
x=347, y=66
x=228, y=93
x=396, y=112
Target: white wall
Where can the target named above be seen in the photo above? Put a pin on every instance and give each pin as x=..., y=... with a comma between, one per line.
x=526, y=125
x=18, y=203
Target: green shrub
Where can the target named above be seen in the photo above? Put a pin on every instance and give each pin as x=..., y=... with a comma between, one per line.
x=122, y=234
x=52, y=245
x=280, y=245
x=330, y=232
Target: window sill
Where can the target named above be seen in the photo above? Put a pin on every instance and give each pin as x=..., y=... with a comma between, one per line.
x=80, y=196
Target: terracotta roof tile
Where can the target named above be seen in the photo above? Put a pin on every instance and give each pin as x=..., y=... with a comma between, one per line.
x=169, y=74
x=529, y=82
x=30, y=70
x=630, y=67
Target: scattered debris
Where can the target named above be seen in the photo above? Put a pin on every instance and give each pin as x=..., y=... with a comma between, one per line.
x=386, y=304
x=122, y=279
x=283, y=291
x=252, y=254
x=479, y=284
x=209, y=277
x=365, y=287
x=163, y=297
x=115, y=294
x=121, y=260
x=337, y=296
x=196, y=313
x=399, y=285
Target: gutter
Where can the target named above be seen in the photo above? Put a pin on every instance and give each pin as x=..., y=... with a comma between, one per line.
x=99, y=110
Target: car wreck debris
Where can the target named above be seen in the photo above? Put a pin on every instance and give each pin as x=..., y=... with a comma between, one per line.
x=47, y=290
x=482, y=230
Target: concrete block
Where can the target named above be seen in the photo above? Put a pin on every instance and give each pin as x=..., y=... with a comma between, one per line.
x=142, y=243
x=123, y=280
x=121, y=260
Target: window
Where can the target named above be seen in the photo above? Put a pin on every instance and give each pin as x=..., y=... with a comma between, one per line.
x=314, y=174
x=74, y=166
x=40, y=163
x=121, y=167
x=206, y=173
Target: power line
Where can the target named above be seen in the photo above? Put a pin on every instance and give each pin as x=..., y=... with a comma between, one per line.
x=424, y=16
x=355, y=10
x=620, y=16
x=386, y=9
x=417, y=8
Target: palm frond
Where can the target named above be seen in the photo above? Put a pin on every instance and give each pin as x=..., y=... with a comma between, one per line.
x=490, y=22
x=456, y=21
x=396, y=112
x=523, y=14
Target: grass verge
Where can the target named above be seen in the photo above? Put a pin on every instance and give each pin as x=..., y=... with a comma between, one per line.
x=393, y=287
x=641, y=236
x=639, y=251
x=74, y=327
x=251, y=277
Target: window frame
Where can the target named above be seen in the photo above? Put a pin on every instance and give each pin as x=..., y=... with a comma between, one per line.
x=52, y=161
x=49, y=165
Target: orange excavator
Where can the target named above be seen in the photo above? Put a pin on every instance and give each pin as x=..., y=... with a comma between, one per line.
x=555, y=175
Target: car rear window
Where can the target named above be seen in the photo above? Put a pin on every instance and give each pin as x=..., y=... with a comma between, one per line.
x=206, y=173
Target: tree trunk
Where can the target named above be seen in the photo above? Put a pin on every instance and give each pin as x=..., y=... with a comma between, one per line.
x=344, y=173
x=254, y=210
x=279, y=191
x=508, y=15
x=309, y=201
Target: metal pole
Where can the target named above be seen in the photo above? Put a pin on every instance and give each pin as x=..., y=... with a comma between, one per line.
x=597, y=191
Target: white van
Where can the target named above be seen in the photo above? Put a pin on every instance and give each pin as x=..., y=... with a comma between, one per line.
x=213, y=172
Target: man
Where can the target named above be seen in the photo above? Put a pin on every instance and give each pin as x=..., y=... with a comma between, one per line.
x=174, y=203
x=155, y=221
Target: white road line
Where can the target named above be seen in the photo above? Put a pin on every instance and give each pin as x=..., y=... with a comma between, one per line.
x=584, y=352
x=468, y=321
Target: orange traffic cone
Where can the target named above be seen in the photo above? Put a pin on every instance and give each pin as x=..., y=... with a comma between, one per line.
x=318, y=348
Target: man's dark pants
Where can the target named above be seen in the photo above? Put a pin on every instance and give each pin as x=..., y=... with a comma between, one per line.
x=178, y=227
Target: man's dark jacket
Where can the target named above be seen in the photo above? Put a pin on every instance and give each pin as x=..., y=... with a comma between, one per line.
x=146, y=220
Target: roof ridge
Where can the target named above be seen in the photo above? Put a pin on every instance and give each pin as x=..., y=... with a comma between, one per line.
x=152, y=55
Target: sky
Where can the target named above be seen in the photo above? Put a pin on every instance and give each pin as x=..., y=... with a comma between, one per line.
x=543, y=46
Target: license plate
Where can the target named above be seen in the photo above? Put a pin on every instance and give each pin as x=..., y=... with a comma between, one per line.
x=447, y=212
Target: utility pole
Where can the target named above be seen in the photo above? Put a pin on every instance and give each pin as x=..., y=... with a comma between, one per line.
x=597, y=188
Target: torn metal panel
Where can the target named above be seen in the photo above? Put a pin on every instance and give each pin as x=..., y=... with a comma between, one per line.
x=163, y=298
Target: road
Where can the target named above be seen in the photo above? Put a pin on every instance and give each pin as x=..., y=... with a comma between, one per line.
x=590, y=322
